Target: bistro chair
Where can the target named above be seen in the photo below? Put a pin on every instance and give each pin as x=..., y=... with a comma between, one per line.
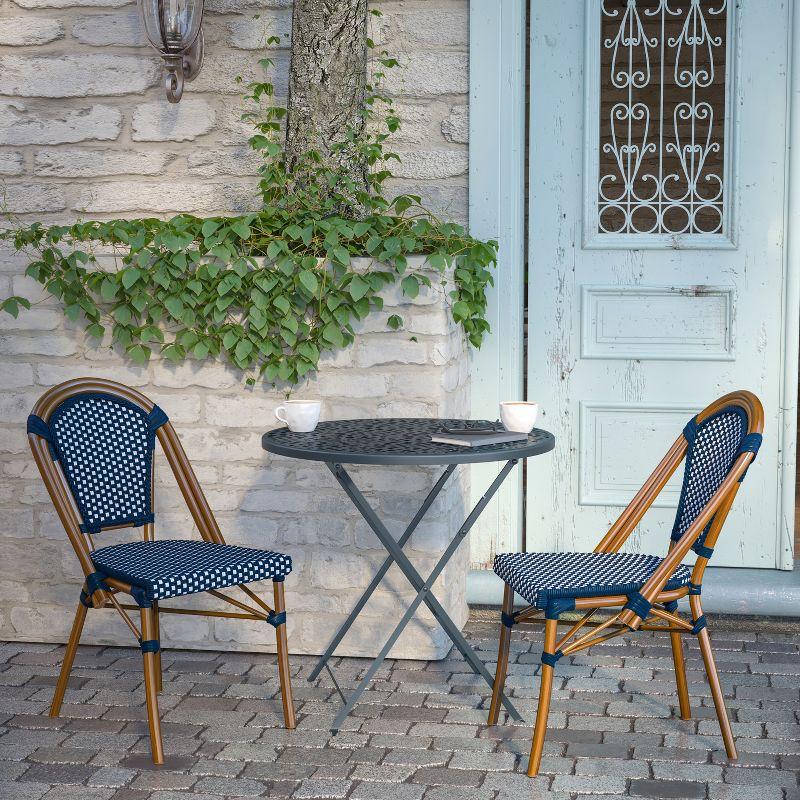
x=93, y=441
x=719, y=444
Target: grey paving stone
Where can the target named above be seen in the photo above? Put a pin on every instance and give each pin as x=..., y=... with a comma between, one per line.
x=235, y=787
x=383, y=791
x=667, y=789
x=318, y=788
x=589, y=784
x=57, y=773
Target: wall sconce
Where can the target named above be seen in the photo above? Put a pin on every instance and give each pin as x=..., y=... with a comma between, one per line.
x=173, y=28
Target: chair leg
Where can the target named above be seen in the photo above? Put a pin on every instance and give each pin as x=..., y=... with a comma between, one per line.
x=69, y=658
x=157, y=626
x=502, y=658
x=284, y=672
x=680, y=675
x=149, y=628
x=716, y=692
x=545, y=692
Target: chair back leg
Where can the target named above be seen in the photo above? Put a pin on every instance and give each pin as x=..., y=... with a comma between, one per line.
x=502, y=658
x=680, y=675
x=545, y=691
x=69, y=658
x=149, y=628
x=284, y=672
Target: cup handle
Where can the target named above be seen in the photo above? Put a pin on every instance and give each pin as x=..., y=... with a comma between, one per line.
x=278, y=414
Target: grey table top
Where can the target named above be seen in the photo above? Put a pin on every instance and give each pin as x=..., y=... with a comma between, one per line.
x=395, y=441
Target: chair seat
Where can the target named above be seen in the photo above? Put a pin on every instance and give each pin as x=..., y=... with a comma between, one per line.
x=174, y=567
x=543, y=577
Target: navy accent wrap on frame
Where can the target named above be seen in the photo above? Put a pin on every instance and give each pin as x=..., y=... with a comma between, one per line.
x=699, y=624
x=751, y=444
x=150, y=645
x=690, y=430
x=94, y=581
x=39, y=427
x=638, y=604
x=671, y=606
x=508, y=620
x=86, y=599
x=277, y=619
x=156, y=418
x=551, y=659
x=695, y=588
x=555, y=608
x=703, y=551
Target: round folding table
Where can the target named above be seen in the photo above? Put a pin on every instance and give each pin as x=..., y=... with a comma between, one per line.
x=388, y=442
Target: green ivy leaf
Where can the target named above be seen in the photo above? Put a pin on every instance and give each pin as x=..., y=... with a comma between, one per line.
x=410, y=286
x=395, y=322
x=309, y=281
x=358, y=287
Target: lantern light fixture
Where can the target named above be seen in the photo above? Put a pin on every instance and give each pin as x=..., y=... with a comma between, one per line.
x=173, y=28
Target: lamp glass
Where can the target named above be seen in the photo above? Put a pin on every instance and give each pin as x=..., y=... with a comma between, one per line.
x=172, y=25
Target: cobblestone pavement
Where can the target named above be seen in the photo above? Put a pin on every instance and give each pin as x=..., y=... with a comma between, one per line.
x=420, y=733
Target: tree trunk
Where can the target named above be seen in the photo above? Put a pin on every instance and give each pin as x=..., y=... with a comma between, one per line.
x=327, y=82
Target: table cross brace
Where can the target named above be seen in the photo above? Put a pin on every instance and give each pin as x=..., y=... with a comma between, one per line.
x=422, y=586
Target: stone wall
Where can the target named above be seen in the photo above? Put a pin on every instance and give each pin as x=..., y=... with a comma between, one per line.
x=85, y=128
x=86, y=131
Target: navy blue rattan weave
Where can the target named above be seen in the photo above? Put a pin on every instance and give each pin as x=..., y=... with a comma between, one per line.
x=543, y=577
x=105, y=446
x=713, y=447
x=176, y=567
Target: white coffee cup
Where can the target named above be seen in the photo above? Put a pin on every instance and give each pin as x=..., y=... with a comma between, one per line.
x=301, y=416
x=518, y=416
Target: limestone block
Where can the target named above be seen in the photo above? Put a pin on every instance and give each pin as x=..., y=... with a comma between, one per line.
x=26, y=31
x=123, y=28
x=11, y=163
x=82, y=162
x=22, y=124
x=76, y=75
x=429, y=73
x=456, y=127
x=250, y=32
x=166, y=122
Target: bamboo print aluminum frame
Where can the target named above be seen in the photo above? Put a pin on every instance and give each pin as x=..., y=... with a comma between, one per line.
x=662, y=615
x=593, y=238
x=55, y=481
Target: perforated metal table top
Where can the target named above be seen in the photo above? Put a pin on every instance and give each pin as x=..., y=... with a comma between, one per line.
x=395, y=441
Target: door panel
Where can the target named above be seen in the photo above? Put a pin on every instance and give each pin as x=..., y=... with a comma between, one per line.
x=656, y=277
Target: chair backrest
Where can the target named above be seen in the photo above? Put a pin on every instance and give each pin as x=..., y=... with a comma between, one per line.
x=105, y=446
x=715, y=438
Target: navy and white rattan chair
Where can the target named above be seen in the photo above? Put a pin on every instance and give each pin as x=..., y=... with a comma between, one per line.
x=718, y=444
x=93, y=441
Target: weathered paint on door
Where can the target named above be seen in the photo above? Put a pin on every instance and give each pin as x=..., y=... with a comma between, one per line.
x=630, y=333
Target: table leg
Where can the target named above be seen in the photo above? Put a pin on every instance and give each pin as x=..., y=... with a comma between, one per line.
x=423, y=587
x=412, y=526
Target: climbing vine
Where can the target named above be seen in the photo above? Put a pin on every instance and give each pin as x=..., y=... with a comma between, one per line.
x=270, y=290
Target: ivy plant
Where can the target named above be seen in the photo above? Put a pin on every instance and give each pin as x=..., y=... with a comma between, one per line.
x=270, y=290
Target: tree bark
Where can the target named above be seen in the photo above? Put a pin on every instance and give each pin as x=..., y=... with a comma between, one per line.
x=327, y=82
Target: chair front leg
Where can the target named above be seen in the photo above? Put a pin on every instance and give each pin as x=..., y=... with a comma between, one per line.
x=150, y=646
x=680, y=675
x=502, y=656
x=69, y=658
x=713, y=678
x=157, y=623
x=545, y=691
x=284, y=671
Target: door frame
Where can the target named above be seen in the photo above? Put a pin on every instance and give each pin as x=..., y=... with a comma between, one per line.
x=496, y=209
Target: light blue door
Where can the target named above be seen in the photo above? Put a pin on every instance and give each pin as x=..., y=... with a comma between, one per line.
x=656, y=264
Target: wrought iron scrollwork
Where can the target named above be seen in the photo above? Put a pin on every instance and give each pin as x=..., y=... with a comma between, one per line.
x=662, y=101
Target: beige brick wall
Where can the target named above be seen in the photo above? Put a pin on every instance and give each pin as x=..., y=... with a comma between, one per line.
x=85, y=128
x=85, y=131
